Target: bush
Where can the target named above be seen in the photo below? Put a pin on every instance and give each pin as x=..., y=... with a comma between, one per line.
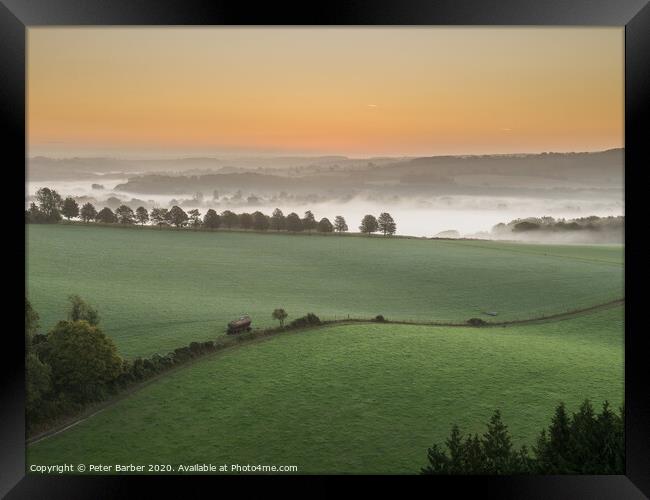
x=380, y=318
x=195, y=348
x=137, y=369
x=38, y=338
x=309, y=320
x=208, y=346
x=182, y=354
x=476, y=322
x=84, y=360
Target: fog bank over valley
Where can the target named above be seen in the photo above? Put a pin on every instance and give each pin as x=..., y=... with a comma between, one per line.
x=445, y=196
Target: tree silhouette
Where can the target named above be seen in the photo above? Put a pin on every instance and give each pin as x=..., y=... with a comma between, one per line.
x=124, y=214
x=159, y=216
x=141, y=215
x=245, y=221
x=368, y=224
x=586, y=443
x=386, y=224
x=309, y=221
x=70, y=208
x=260, y=221
x=211, y=219
x=88, y=212
x=195, y=217
x=106, y=216
x=280, y=315
x=294, y=223
x=339, y=224
x=324, y=226
x=49, y=204
x=278, y=221
x=229, y=218
x=177, y=216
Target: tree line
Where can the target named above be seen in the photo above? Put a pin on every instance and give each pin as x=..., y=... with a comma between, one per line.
x=51, y=208
x=550, y=224
x=76, y=364
x=583, y=443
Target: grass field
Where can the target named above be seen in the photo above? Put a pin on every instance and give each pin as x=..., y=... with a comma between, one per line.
x=364, y=398
x=158, y=290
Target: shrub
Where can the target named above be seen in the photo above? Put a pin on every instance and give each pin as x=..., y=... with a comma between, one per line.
x=182, y=354
x=476, y=322
x=137, y=369
x=38, y=338
x=380, y=318
x=148, y=366
x=309, y=320
x=195, y=348
x=208, y=346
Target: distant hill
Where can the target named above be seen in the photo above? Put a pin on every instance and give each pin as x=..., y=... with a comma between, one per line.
x=598, y=175
x=550, y=175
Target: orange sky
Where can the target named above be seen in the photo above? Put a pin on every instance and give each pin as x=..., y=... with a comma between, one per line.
x=354, y=91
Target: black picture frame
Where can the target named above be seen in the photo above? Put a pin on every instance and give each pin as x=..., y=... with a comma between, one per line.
x=634, y=15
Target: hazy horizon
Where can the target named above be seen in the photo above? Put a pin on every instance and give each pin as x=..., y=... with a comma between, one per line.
x=446, y=128
x=359, y=92
x=218, y=155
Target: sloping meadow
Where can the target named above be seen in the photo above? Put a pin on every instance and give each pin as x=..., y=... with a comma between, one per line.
x=362, y=398
x=157, y=290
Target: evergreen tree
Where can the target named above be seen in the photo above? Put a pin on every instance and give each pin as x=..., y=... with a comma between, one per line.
x=438, y=461
x=585, y=444
x=456, y=462
x=552, y=452
x=474, y=455
x=610, y=438
x=497, y=446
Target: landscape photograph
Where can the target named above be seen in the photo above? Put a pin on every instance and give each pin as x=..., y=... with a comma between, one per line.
x=319, y=250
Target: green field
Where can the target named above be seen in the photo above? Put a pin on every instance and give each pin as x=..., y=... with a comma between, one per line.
x=157, y=290
x=354, y=398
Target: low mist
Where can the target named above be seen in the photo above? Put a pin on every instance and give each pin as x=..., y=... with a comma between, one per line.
x=451, y=197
